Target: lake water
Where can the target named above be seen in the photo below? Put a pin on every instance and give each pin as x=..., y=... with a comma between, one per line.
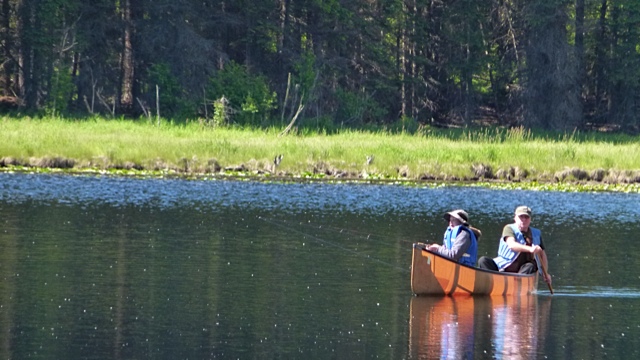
x=119, y=268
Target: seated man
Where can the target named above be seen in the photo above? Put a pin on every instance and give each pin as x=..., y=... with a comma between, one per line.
x=518, y=247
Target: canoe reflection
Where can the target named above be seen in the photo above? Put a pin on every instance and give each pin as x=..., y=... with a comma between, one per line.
x=477, y=327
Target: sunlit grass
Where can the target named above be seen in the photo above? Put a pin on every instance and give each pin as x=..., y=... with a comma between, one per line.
x=441, y=154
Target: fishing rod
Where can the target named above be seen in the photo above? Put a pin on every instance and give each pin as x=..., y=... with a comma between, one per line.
x=365, y=235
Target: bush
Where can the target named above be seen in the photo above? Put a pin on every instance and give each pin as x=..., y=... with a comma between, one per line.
x=61, y=90
x=249, y=99
x=173, y=102
x=358, y=108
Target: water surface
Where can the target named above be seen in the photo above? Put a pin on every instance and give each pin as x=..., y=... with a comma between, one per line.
x=101, y=267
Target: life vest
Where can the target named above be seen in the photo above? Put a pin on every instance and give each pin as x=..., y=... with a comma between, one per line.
x=470, y=256
x=506, y=256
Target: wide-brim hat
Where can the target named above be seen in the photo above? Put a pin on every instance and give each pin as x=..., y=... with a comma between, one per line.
x=458, y=214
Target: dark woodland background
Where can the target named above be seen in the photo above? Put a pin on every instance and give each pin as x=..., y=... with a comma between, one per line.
x=547, y=64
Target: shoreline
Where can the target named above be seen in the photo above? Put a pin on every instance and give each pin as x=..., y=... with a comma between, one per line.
x=490, y=157
x=241, y=173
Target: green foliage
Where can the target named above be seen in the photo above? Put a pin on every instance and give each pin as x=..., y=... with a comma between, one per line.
x=221, y=112
x=358, y=108
x=250, y=100
x=62, y=90
x=518, y=134
x=405, y=124
x=359, y=62
x=318, y=125
x=305, y=72
x=173, y=102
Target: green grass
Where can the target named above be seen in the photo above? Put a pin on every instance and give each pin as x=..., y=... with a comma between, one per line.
x=431, y=153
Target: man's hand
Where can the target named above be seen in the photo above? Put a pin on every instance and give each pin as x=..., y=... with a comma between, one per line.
x=535, y=249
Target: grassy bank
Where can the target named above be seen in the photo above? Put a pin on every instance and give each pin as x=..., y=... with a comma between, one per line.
x=432, y=154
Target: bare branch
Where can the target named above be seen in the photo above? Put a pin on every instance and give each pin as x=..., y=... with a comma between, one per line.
x=102, y=100
x=86, y=103
x=295, y=117
x=144, y=108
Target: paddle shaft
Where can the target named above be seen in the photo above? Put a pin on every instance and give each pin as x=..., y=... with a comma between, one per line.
x=544, y=272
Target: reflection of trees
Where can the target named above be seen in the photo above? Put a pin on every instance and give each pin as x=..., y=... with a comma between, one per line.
x=8, y=251
x=120, y=292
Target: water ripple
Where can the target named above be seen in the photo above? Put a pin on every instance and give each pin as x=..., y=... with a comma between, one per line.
x=597, y=292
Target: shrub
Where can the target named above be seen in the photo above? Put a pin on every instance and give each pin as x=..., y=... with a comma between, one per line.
x=173, y=102
x=358, y=108
x=249, y=98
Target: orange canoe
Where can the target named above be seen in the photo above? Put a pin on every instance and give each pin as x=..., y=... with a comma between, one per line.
x=432, y=274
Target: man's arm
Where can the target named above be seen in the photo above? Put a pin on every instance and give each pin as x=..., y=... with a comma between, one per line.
x=545, y=263
x=516, y=246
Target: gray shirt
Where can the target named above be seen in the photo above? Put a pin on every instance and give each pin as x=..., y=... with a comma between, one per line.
x=460, y=245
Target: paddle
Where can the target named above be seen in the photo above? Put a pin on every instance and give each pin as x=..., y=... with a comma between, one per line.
x=544, y=272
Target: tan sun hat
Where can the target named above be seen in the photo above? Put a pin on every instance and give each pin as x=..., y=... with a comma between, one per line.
x=458, y=214
x=523, y=210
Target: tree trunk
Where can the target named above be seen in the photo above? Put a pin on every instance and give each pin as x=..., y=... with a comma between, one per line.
x=127, y=61
x=552, y=93
x=282, y=73
x=600, y=58
x=579, y=51
x=29, y=86
x=7, y=45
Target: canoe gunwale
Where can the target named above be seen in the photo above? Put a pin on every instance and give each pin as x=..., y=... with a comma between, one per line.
x=499, y=273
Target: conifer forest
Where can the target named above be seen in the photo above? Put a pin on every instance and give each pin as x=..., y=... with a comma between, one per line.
x=546, y=64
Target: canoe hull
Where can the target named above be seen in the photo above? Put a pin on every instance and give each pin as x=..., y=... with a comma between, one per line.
x=432, y=274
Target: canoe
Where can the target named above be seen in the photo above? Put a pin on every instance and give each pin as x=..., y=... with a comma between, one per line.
x=433, y=274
